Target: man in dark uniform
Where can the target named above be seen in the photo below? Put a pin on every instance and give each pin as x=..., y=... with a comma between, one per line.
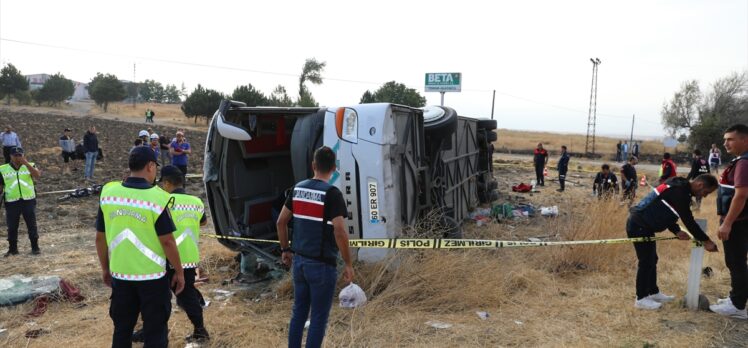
x=319, y=232
x=628, y=179
x=17, y=185
x=605, y=183
x=657, y=211
x=563, y=167
x=699, y=166
x=540, y=160
x=133, y=242
x=733, y=229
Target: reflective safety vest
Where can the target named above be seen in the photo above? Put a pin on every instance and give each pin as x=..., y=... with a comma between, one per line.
x=18, y=183
x=186, y=211
x=130, y=215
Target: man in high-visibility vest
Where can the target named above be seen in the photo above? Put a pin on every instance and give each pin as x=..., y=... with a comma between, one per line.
x=17, y=184
x=133, y=242
x=188, y=213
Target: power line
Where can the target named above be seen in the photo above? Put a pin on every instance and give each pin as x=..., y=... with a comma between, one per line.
x=230, y=68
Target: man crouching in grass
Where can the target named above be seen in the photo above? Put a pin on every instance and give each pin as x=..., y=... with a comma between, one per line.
x=658, y=211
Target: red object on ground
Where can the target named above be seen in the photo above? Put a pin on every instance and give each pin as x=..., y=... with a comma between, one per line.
x=70, y=292
x=40, y=306
x=522, y=187
x=67, y=291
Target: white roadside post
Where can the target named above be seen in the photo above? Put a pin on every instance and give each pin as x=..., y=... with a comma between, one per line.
x=694, y=271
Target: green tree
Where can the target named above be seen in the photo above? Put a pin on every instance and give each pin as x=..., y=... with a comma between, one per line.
x=55, y=90
x=202, y=102
x=396, y=93
x=311, y=72
x=249, y=95
x=306, y=99
x=172, y=95
x=146, y=90
x=367, y=98
x=280, y=97
x=12, y=82
x=682, y=113
x=159, y=93
x=726, y=104
x=105, y=89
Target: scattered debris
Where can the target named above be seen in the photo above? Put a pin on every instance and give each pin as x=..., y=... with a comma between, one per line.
x=518, y=322
x=522, y=187
x=438, y=324
x=19, y=288
x=223, y=295
x=482, y=216
x=3, y=333
x=35, y=333
x=549, y=211
x=483, y=315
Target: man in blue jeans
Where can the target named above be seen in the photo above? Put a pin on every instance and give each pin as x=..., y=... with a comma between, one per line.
x=318, y=209
x=91, y=145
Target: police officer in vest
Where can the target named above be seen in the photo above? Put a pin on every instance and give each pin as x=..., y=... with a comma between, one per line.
x=319, y=232
x=188, y=213
x=133, y=242
x=20, y=199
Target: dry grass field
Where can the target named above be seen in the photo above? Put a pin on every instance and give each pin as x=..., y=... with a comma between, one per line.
x=579, y=296
x=164, y=113
x=514, y=140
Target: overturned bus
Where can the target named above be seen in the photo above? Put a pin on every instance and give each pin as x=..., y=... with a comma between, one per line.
x=395, y=165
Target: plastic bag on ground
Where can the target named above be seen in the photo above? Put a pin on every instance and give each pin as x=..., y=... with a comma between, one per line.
x=352, y=296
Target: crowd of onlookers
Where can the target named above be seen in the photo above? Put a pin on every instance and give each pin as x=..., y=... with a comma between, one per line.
x=606, y=183
x=170, y=150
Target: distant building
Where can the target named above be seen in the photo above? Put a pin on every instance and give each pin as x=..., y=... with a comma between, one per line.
x=36, y=81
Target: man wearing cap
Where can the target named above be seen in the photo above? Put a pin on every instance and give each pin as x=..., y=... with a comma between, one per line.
x=135, y=269
x=145, y=136
x=188, y=213
x=91, y=146
x=20, y=199
x=10, y=140
x=68, y=150
x=155, y=146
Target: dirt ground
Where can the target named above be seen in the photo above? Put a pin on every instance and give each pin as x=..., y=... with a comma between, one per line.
x=552, y=297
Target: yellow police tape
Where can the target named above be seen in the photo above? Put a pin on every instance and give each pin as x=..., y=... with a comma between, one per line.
x=438, y=243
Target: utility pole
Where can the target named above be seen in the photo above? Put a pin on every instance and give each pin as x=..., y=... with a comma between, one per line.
x=592, y=116
x=135, y=87
x=631, y=138
x=493, y=103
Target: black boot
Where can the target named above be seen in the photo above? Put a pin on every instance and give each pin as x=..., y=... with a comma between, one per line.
x=12, y=248
x=35, y=247
x=200, y=335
